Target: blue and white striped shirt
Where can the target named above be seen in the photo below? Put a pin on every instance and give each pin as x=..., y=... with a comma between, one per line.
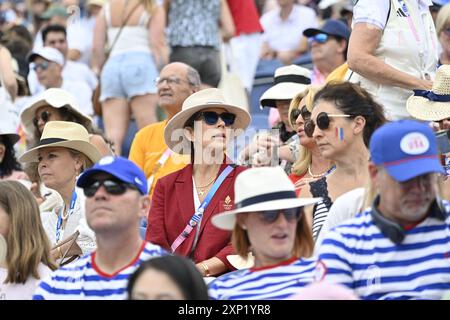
x=358, y=255
x=272, y=283
x=82, y=279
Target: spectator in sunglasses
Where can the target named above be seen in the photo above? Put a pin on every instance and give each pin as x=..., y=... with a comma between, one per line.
x=64, y=152
x=443, y=32
x=268, y=220
x=184, y=201
x=116, y=199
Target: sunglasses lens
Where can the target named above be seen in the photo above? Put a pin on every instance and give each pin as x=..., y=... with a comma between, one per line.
x=306, y=115
x=323, y=121
x=321, y=38
x=210, y=117
x=111, y=187
x=292, y=214
x=269, y=216
x=228, y=118
x=309, y=128
x=294, y=115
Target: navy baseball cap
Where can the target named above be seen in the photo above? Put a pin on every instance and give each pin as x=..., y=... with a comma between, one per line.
x=331, y=27
x=406, y=149
x=119, y=167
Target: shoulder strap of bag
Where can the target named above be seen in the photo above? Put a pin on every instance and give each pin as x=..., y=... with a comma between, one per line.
x=73, y=239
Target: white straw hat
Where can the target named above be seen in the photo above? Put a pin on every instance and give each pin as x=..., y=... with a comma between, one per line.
x=260, y=189
x=198, y=101
x=64, y=134
x=288, y=82
x=432, y=105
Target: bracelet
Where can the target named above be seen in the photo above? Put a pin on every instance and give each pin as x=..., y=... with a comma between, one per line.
x=206, y=268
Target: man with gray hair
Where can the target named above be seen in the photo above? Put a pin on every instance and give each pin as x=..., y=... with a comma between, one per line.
x=176, y=82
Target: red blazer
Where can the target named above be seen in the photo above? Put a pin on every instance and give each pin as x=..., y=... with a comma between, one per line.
x=173, y=207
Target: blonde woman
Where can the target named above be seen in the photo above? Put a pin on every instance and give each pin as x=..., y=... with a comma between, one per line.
x=64, y=152
x=443, y=32
x=27, y=258
x=135, y=29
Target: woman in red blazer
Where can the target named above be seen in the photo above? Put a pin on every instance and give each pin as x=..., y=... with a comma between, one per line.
x=176, y=220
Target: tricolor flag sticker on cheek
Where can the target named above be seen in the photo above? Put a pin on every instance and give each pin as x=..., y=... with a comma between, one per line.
x=340, y=133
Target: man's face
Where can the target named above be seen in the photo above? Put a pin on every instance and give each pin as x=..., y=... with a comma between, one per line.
x=404, y=202
x=327, y=50
x=58, y=41
x=48, y=72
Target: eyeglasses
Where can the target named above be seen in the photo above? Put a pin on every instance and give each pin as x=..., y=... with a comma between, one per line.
x=319, y=38
x=111, y=186
x=170, y=81
x=270, y=216
x=303, y=111
x=44, y=116
x=211, y=117
x=44, y=66
x=323, y=122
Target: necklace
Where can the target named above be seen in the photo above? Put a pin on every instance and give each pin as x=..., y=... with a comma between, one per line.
x=205, y=187
x=323, y=174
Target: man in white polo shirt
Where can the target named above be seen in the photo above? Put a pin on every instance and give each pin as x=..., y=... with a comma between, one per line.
x=400, y=247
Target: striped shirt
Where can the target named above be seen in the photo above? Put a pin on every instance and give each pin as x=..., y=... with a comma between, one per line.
x=268, y=283
x=83, y=280
x=358, y=255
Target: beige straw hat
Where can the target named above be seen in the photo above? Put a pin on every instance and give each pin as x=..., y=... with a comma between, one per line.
x=64, y=134
x=198, y=101
x=432, y=105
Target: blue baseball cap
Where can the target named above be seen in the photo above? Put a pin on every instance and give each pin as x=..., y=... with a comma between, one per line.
x=331, y=27
x=406, y=149
x=119, y=167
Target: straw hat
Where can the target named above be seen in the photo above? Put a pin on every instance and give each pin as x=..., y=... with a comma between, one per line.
x=56, y=98
x=64, y=134
x=198, y=101
x=260, y=189
x=432, y=105
x=288, y=82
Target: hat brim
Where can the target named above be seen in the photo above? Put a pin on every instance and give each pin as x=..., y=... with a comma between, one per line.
x=426, y=110
x=407, y=170
x=181, y=144
x=227, y=220
x=84, y=147
x=13, y=137
x=281, y=91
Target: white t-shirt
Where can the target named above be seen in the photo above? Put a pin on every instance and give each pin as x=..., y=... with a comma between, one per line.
x=15, y=291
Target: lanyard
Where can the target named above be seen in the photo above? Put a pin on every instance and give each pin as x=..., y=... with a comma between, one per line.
x=60, y=216
x=197, y=217
x=158, y=165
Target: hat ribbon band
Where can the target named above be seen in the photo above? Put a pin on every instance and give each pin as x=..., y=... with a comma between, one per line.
x=292, y=78
x=430, y=95
x=50, y=141
x=281, y=195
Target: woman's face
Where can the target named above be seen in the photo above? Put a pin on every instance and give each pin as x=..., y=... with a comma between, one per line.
x=4, y=223
x=57, y=167
x=305, y=141
x=444, y=38
x=271, y=241
x=45, y=114
x=155, y=285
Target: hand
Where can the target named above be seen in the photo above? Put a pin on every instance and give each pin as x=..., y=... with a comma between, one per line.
x=424, y=84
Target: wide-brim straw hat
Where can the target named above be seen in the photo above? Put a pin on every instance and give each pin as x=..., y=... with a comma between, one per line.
x=198, y=101
x=288, y=82
x=433, y=105
x=261, y=189
x=56, y=98
x=63, y=134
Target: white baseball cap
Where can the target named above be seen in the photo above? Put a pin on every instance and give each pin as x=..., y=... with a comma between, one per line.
x=48, y=53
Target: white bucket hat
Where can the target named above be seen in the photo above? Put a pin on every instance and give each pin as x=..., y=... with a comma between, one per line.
x=8, y=130
x=288, y=82
x=260, y=189
x=64, y=134
x=198, y=101
x=56, y=98
x=432, y=105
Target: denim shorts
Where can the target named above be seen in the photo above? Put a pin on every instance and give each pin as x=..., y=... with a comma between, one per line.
x=128, y=75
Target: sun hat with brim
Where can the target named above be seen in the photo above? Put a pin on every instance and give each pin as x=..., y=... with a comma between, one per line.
x=261, y=189
x=198, y=101
x=288, y=82
x=13, y=137
x=56, y=98
x=8, y=130
x=433, y=105
x=63, y=134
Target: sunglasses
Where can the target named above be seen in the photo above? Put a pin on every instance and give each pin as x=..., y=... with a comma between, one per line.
x=323, y=122
x=211, y=117
x=270, y=216
x=111, y=186
x=170, y=81
x=44, y=66
x=319, y=38
x=303, y=111
x=44, y=116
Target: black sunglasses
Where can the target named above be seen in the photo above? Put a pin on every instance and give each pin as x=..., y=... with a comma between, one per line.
x=303, y=111
x=323, y=122
x=111, y=186
x=211, y=117
x=270, y=216
x=45, y=116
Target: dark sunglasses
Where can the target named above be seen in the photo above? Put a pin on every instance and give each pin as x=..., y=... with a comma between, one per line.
x=270, y=216
x=303, y=111
x=323, y=122
x=45, y=116
x=319, y=38
x=211, y=117
x=111, y=186
x=44, y=66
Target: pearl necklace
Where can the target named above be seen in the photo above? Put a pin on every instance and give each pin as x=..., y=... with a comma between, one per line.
x=323, y=174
